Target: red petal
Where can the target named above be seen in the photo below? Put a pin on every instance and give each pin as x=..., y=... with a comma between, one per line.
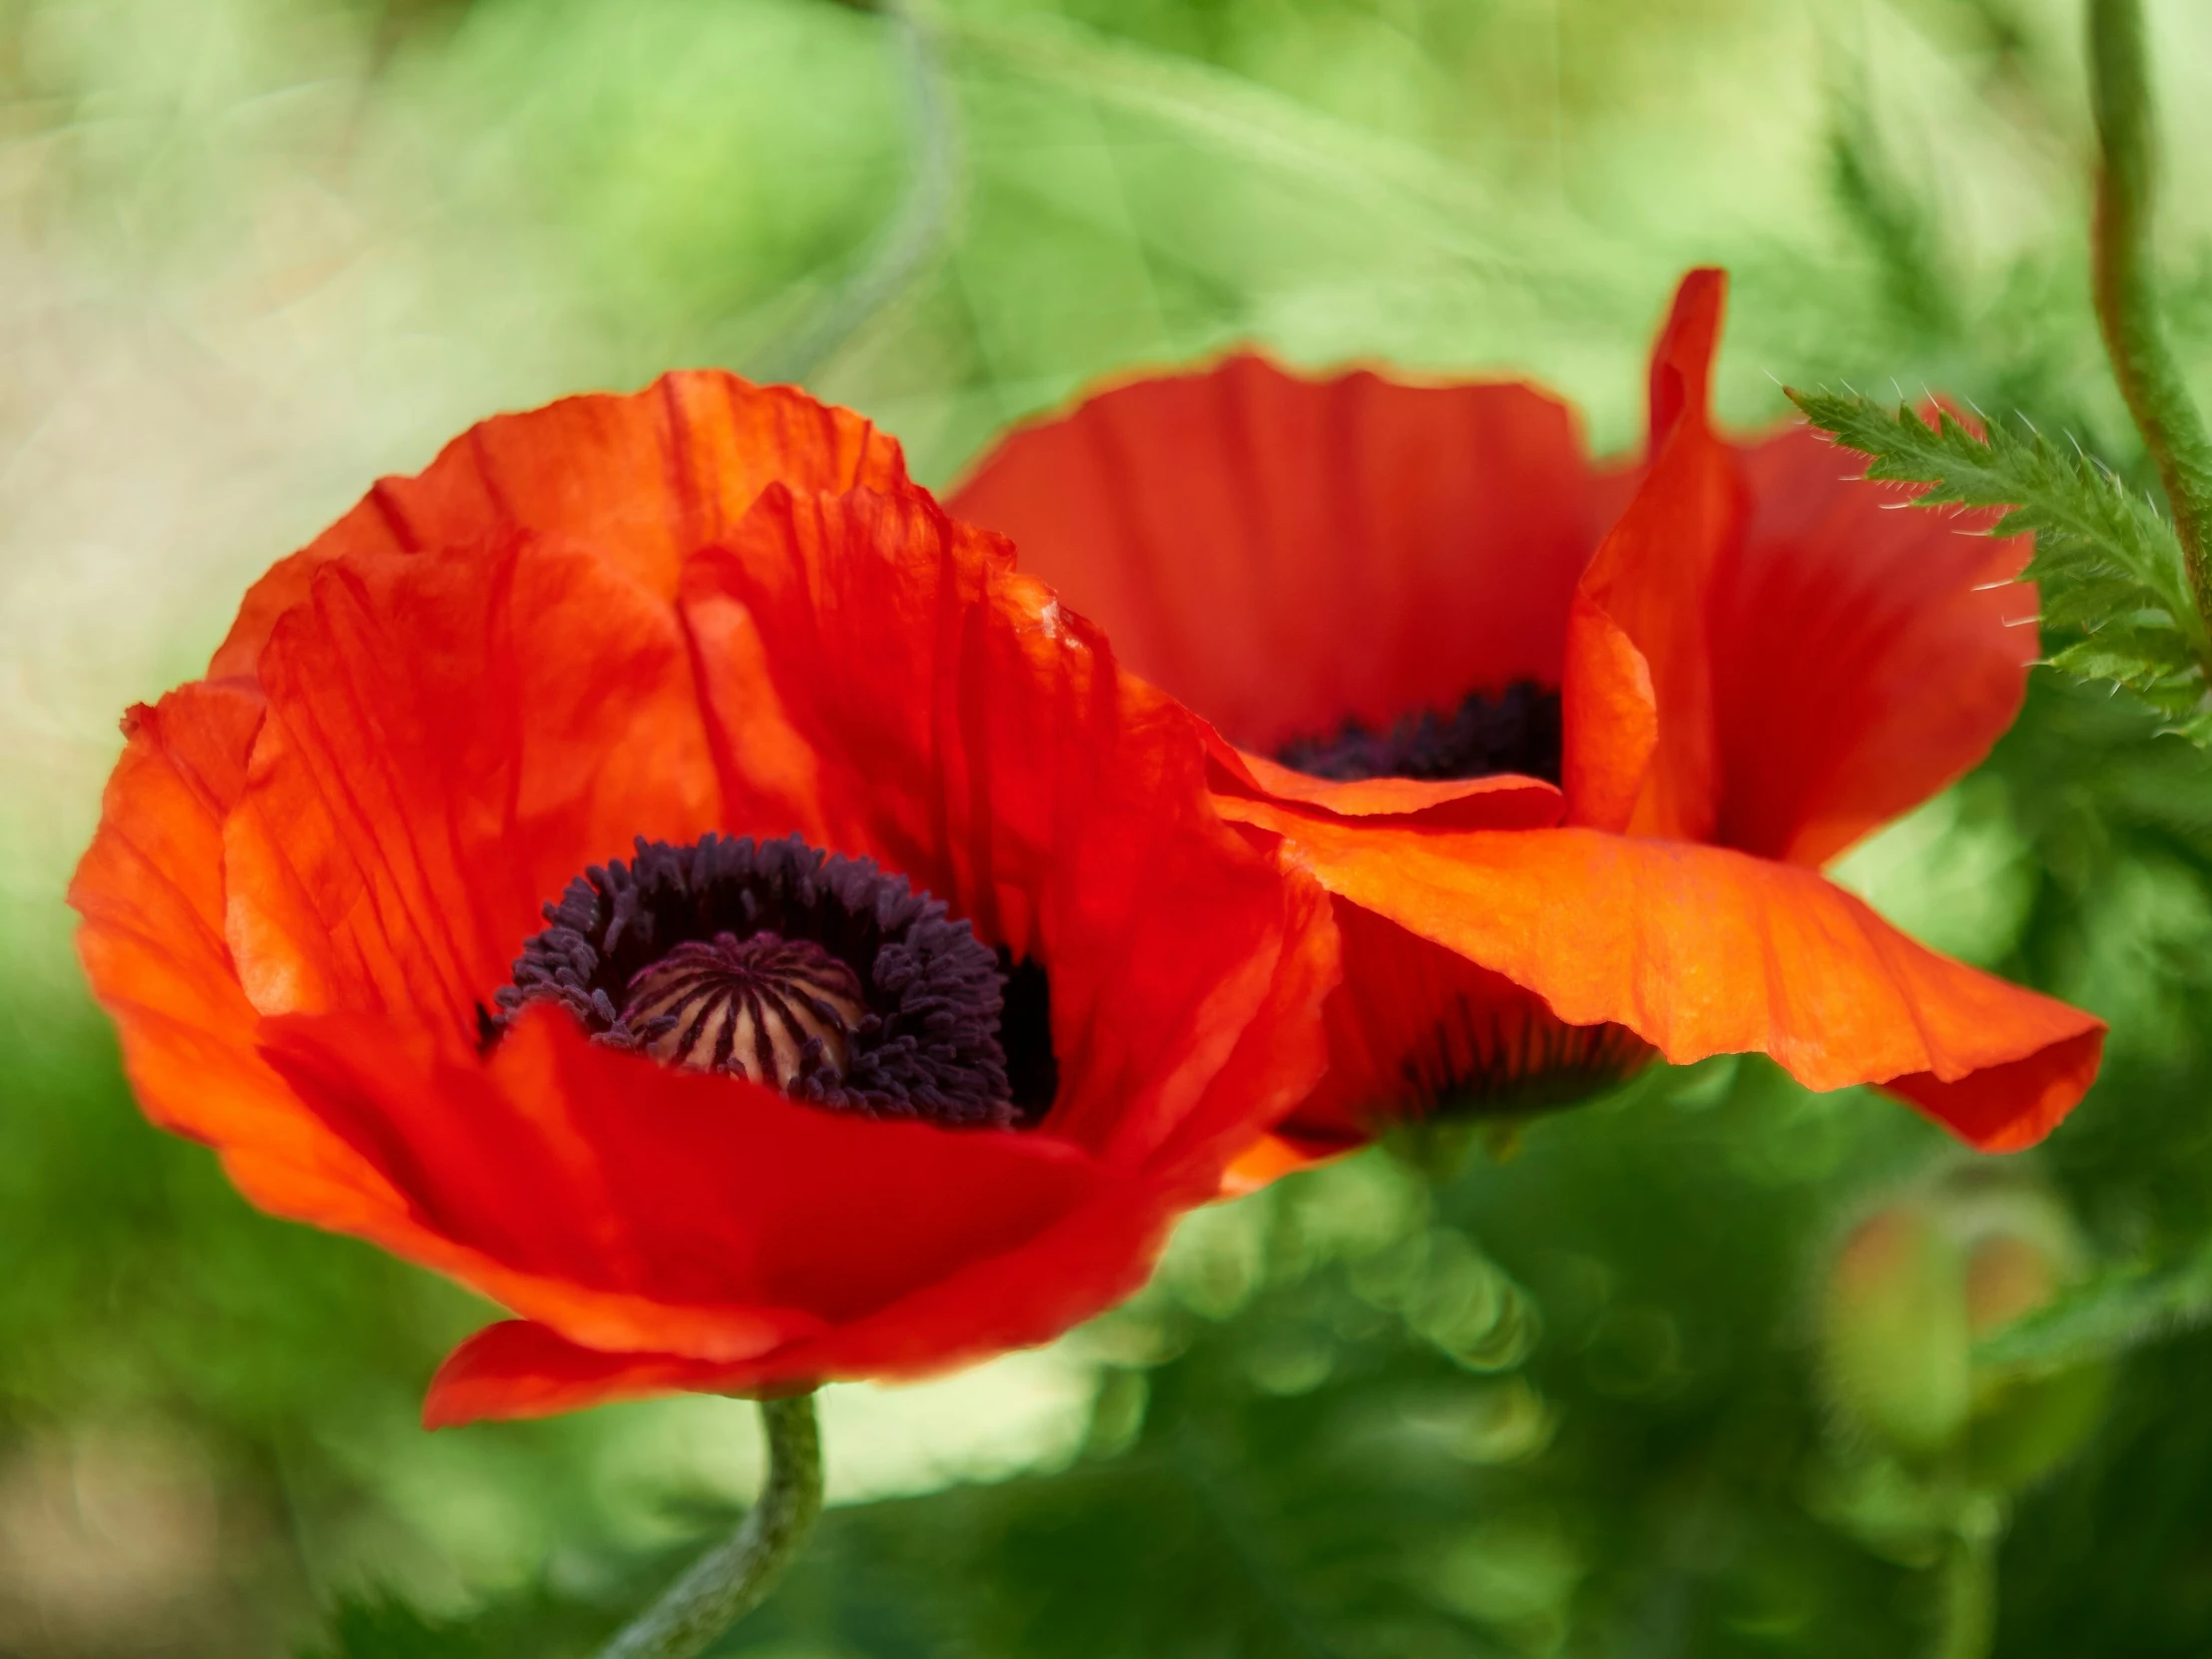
x=1864, y=655
x=452, y=737
x=1639, y=694
x=519, y=1368
x=988, y=748
x=151, y=892
x=1703, y=950
x=1284, y=553
x=639, y=1208
x=643, y=478
x=1093, y=1257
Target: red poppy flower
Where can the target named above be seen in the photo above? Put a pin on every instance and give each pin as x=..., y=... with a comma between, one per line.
x=1568, y=743
x=902, y=982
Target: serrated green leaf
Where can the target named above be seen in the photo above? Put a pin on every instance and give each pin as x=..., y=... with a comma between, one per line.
x=2136, y=657
x=2110, y=566
x=2089, y=600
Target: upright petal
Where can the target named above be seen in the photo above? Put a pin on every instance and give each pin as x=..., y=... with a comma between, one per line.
x=1284, y=553
x=1639, y=695
x=643, y=478
x=1864, y=655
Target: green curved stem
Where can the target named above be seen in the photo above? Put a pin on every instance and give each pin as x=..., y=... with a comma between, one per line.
x=733, y=1578
x=1968, y=1624
x=2126, y=291
x=925, y=210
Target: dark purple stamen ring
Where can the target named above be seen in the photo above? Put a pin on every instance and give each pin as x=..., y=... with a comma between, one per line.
x=823, y=975
x=1516, y=730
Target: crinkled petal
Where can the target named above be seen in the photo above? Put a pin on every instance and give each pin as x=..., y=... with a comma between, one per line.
x=1415, y=1027
x=643, y=478
x=451, y=737
x=989, y=748
x=151, y=892
x=1284, y=553
x=1703, y=950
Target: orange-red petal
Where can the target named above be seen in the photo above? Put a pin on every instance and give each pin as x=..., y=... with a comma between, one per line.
x=1639, y=692
x=644, y=478
x=151, y=892
x=450, y=738
x=1094, y=1255
x=1284, y=553
x=1703, y=950
x=1500, y=801
x=1415, y=1028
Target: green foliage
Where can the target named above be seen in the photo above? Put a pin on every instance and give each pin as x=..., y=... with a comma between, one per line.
x=2110, y=566
x=537, y=1623
x=390, y=1629
x=2116, y=1311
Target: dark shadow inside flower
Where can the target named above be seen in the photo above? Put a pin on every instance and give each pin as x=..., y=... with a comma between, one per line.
x=1418, y=1033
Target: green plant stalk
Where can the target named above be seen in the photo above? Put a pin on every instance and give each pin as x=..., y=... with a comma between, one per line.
x=2126, y=292
x=915, y=233
x=733, y=1578
x=1967, y=1628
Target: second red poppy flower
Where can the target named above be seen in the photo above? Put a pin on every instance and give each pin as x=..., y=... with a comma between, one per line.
x=1568, y=743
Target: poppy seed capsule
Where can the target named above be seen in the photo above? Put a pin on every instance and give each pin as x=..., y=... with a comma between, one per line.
x=767, y=1008
x=824, y=977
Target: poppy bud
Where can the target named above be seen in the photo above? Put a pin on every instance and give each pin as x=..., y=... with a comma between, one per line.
x=1916, y=1286
x=1895, y=1332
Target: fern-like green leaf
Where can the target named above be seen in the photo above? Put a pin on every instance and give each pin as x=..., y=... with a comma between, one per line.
x=2107, y=1316
x=2110, y=566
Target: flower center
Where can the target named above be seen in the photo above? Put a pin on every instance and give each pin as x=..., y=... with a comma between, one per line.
x=1518, y=729
x=820, y=975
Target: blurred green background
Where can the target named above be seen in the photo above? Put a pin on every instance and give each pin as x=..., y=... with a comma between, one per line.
x=1688, y=1374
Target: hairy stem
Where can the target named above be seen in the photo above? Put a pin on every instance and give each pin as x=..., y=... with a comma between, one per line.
x=1969, y=1624
x=733, y=1578
x=2126, y=292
